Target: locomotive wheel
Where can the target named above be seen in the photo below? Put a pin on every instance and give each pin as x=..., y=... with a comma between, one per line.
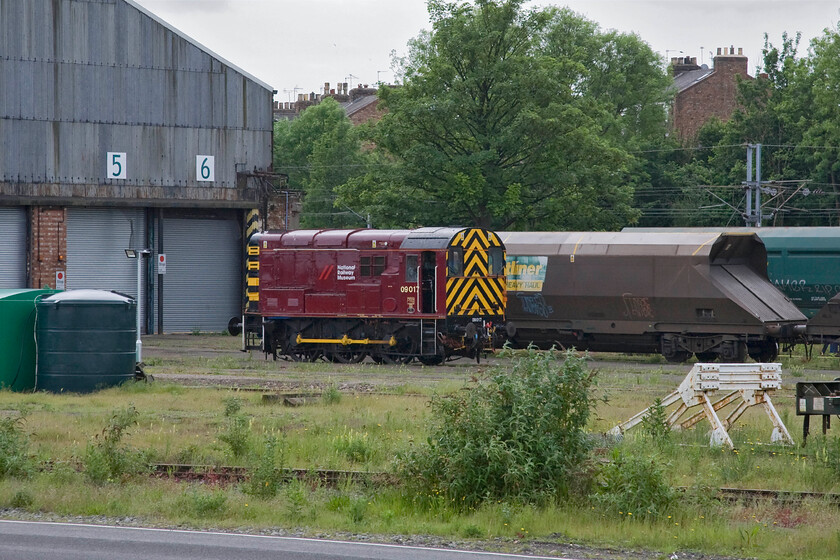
x=706, y=357
x=402, y=353
x=304, y=355
x=767, y=352
x=346, y=356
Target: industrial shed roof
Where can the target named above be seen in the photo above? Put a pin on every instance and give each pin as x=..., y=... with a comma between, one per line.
x=186, y=37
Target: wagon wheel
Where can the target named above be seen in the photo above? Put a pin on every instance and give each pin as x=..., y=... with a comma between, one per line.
x=706, y=357
x=678, y=357
x=767, y=352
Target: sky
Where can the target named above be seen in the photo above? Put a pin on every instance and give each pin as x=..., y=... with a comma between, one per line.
x=296, y=46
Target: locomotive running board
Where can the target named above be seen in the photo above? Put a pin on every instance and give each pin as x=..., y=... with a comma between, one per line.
x=752, y=383
x=344, y=341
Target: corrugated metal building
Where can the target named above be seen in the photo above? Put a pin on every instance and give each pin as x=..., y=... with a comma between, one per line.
x=117, y=131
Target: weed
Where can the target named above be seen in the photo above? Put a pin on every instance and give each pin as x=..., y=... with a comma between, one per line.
x=237, y=428
x=297, y=498
x=338, y=502
x=354, y=445
x=14, y=447
x=331, y=394
x=655, y=424
x=635, y=485
x=105, y=459
x=519, y=434
x=358, y=509
x=749, y=536
x=202, y=503
x=472, y=532
x=797, y=371
x=22, y=499
x=736, y=466
x=267, y=475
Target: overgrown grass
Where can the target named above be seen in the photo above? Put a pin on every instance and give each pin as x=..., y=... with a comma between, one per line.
x=365, y=432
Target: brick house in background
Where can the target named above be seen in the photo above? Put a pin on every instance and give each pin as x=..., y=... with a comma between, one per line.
x=360, y=103
x=703, y=92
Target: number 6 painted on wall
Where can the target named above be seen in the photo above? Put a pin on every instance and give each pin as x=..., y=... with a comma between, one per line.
x=205, y=168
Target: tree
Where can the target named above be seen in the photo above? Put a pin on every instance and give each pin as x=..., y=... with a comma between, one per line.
x=319, y=151
x=505, y=120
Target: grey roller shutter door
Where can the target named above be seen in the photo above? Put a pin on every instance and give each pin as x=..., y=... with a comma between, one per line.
x=96, y=242
x=201, y=288
x=12, y=248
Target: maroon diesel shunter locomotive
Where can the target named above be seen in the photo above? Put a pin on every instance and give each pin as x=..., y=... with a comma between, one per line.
x=394, y=295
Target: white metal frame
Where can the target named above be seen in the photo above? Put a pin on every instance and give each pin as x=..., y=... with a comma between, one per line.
x=751, y=383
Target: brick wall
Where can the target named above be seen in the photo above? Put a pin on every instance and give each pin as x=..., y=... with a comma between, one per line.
x=48, y=245
x=714, y=96
x=371, y=113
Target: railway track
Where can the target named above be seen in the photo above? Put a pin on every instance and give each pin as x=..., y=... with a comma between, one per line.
x=212, y=474
x=230, y=474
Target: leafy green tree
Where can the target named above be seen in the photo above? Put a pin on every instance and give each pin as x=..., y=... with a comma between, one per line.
x=319, y=151
x=822, y=137
x=514, y=118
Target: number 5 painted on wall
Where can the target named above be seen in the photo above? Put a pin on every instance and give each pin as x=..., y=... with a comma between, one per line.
x=117, y=165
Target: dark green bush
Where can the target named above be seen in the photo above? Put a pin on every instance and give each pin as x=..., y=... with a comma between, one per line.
x=517, y=434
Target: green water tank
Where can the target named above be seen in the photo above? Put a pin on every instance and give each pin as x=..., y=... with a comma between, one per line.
x=86, y=341
x=17, y=338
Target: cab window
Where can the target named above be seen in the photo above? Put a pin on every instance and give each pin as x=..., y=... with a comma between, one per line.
x=456, y=262
x=495, y=261
x=411, y=268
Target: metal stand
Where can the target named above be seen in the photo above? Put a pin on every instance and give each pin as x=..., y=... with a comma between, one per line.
x=751, y=383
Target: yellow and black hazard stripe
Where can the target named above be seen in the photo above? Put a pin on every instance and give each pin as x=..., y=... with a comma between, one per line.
x=477, y=292
x=252, y=275
x=476, y=296
x=252, y=223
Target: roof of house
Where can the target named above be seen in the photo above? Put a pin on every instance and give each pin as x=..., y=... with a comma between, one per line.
x=685, y=80
x=357, y=105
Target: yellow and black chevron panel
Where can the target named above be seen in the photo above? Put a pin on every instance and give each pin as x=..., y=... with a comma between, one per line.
x=252, y=276
x=252, y=223
x=476, y=295
x=476, y=292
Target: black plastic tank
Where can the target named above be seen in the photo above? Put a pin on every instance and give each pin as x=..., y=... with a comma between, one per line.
x=86, y=341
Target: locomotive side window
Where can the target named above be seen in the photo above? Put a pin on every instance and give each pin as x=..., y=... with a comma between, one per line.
x=372, y=266
x=456, y=262
x=495, y=261
x=378, y=265
x=411, y=268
